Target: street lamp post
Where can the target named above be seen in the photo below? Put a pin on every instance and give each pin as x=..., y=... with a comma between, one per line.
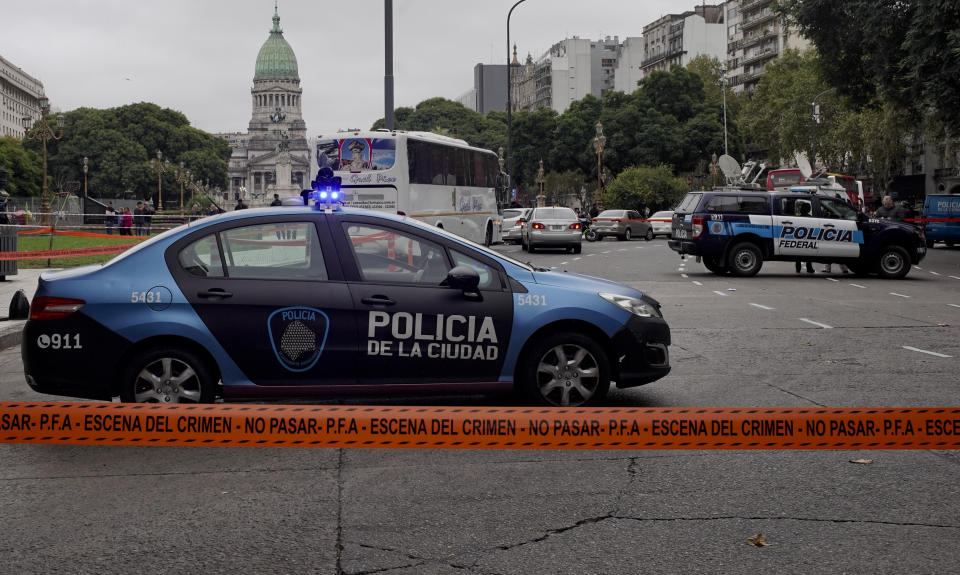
x=723, y=89
x=160, y=166
x=182, y=175
x=598, y=142
x=541, y=198
x=43, y=132
x=509, y=97
x=816, y=121
x=84, y=176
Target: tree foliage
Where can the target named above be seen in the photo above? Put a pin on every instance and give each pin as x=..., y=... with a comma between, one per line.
x=23, y=167
x=907, y=53
x=119, y=144
x=639, y=187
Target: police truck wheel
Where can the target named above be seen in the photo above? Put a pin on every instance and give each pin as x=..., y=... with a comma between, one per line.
x=649, y=237
x=565, y=369
x=167, y=376
x=745, y=260
x=714, y=265
x=894, y=262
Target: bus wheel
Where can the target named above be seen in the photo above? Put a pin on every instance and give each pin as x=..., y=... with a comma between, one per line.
x=488, y=237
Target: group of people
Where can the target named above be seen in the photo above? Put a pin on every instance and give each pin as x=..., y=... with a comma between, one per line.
x=137, y=222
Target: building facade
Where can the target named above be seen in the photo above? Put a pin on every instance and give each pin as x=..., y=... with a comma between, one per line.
x=489, y=90
x=273, y=156
x=19, y=95
x=756, y=36
x=675, y=39
x=629, y=71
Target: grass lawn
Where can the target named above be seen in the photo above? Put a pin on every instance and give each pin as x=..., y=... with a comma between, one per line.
x=42, y=242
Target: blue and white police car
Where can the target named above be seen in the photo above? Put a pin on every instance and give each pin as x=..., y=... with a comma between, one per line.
x=303, y=301
x=734, y=230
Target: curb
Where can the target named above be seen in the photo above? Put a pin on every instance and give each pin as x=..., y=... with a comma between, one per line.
x=11, y=333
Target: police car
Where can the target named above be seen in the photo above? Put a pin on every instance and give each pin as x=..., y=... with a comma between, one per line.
x=733, y=230
x=301, y=301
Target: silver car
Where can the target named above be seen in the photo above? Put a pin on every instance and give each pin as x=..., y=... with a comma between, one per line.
x=662, y=223
x=512, y=226
x=624, y=224
x=552, y=228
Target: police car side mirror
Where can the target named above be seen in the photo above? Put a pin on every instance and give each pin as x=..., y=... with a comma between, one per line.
x=463, y=278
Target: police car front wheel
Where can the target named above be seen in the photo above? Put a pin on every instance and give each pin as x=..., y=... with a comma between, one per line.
x=565, y=369
x=894, y=262
x=745, y=260
x=167, y=376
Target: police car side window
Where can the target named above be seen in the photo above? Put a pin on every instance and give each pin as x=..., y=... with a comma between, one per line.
x=276, y=251
x=489, y=279
x=722, y=204
x=837, y=209
x=754, y=205
x=386, y=255
x=202, y=258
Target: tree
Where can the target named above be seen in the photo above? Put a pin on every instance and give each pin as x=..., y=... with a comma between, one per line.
x=638, y=187
x=23, y=167
x=875, y=50
x=119, y=144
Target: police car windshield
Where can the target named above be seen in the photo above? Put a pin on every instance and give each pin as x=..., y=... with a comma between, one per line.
x=473, y=245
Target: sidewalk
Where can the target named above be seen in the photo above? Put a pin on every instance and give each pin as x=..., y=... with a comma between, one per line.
x=11, y=330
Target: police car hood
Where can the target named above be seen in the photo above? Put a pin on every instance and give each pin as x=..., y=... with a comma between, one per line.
x=583, y=282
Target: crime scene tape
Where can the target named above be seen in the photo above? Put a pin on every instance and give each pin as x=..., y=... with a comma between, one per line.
x=480, y=427
x=75, y=233
x=68, y=253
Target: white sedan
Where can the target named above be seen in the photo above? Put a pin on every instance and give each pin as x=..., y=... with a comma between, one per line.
x=662, y=223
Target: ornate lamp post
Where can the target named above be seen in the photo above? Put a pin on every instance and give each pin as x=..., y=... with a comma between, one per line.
x=160, y=166
x=541, y=198
x=598, y=142
x=84, y=176
x=43, y=132
x=182, y=175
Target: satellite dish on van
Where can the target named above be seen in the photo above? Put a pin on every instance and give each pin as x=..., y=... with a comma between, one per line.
x=803, y=164
x=730, y=168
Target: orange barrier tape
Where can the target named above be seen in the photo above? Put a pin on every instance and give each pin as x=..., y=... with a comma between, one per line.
x=480, y=427
x=69, y=253
x=78, y=234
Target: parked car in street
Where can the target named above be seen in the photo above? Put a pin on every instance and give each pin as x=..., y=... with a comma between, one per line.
x=662, y=223
x=623, y=224
x=510, y=229
x=553, y=227
x=298, y=301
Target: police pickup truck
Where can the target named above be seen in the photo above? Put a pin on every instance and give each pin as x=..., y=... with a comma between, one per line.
x=733, y=230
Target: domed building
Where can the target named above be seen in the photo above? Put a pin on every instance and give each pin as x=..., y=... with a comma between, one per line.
x=273, y=156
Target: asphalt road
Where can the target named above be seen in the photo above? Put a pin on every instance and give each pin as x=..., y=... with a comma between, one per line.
x=779, y=339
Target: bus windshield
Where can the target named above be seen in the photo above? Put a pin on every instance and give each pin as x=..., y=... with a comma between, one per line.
x=356, y=154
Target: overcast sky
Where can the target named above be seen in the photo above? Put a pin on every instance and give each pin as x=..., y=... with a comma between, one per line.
x=198, y=56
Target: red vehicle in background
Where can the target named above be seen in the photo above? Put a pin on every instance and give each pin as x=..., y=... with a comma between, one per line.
x=784, y=179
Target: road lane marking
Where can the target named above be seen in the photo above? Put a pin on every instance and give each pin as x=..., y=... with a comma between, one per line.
x=684, y=276
x=553, y=267
x=563, y=263
x=575, y=259
x=925, y=351
x=954, y=277
x=816, y=323
x=695, y=282
x=720, y=293
x=859, y=286
x=898, y=294
x=622, y=250
x=606, y=252
x=953, y=305
x=918, y=267
x=832, y=279
x=589, y=255
x=766, y=307
x=934, y=273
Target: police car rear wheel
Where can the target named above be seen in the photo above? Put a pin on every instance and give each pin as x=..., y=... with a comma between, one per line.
x=566, y=369
x=745, y=260
x=167, y=376
x=714, y=265
x=894, y=263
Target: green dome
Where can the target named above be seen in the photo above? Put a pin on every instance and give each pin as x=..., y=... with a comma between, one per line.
x=276, y=58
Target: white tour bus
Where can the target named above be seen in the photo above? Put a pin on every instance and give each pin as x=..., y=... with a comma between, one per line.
x=442, y=181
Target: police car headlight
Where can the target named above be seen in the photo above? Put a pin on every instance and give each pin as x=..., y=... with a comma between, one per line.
x=633, y=305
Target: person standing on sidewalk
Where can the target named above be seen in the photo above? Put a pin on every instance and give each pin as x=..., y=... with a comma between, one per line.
x=110, y=217
x=138, y=219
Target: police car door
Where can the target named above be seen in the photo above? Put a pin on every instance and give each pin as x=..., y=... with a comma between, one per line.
x=273, y=299
x=411, y=329
x=793, y=224
x=838, y=236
